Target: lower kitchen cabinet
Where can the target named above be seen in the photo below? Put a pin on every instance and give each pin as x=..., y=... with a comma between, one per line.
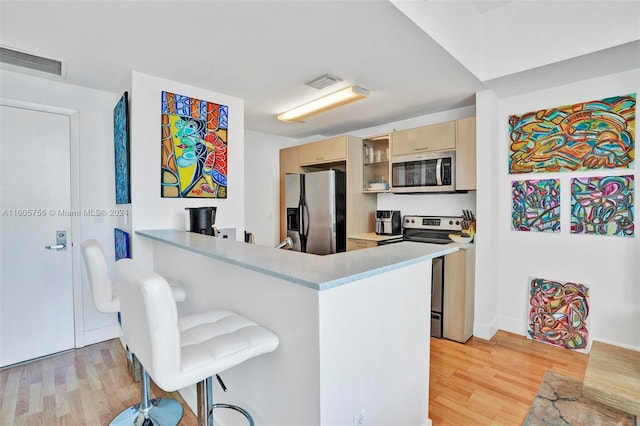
x=370, y=239
x=459, y=294
x=358, y=244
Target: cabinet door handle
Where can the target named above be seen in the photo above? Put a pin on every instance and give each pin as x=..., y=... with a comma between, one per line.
x=422, y=148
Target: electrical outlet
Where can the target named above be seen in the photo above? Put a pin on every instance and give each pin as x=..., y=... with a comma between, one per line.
x=358, y=419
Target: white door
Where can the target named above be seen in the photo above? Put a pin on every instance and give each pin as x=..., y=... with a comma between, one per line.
x=36, y=288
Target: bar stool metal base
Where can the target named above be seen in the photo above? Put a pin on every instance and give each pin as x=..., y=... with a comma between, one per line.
x=163, y=412
x=236, y=408
x=156, y=412
x=204, y=390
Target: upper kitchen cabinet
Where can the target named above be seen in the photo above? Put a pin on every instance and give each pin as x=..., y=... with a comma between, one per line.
x=342, y=153
x=325, y=151
x=289, y=163
x=466, y=154
x=375, y=169
x=436, y=137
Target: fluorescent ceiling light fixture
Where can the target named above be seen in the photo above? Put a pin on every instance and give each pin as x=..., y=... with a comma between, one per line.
x=326, y=103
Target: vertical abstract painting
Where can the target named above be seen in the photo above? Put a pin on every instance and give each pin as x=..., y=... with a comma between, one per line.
x=602, y=205
x=121, y=154
x=535, y=205
x=585, y=136
x=558, y=313
x=121, y=244
x=194, y=147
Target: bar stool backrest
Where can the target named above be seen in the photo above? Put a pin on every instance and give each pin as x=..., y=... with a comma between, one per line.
x=149, y=320
x=102, y=290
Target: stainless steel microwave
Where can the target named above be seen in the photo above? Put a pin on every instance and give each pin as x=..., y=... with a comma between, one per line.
x=426, y=172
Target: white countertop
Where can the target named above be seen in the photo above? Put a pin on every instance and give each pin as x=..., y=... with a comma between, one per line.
x=313, y=271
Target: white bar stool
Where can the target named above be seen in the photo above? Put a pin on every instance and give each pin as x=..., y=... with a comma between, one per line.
x=178, y=352
x=162, y=411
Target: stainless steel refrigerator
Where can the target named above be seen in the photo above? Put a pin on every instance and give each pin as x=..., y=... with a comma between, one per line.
x=316, y=211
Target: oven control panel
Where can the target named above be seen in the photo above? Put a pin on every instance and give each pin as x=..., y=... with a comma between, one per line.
x=444, y=223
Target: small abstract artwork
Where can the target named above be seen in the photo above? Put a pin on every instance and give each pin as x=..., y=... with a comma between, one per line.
x=121, y=154
x=585, y=136
x=194, y=147
x=535, y=205
x=558, y=313
x=602, y=205
x=121, y=244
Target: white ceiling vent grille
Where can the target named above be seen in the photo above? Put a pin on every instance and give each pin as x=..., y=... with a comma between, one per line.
x=323, y=81
x=33, y=62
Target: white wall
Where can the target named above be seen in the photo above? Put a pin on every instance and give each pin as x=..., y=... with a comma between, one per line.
x=95, y=181
x=149, y=209
x=262, y=185
x=485, y=309
x=609, y=266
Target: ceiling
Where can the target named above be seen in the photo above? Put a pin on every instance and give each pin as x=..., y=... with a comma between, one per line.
x=264, y=52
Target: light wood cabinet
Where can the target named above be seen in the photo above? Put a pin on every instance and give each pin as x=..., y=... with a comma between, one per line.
x=358, y=244
x=288, y=164
x=436, y=137
x=466, y=154
x=459, y=293
x=325, y=151
x=361, y=208
x=376, y=169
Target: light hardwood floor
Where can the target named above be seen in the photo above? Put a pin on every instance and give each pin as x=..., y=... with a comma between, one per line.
x=478, y=383
x=493, y=382
x=87, y=386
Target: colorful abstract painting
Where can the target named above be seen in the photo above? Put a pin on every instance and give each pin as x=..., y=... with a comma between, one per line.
x=535, y=205
x=194, y=147
x=121, y=244
x=584, y=136
x=602, y=205
x=121, y=154
x=558, y=313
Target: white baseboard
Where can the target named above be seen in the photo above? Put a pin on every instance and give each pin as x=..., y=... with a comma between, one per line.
x=485, y=331
x=613, y=343
x=512, y=325
x=100, y=334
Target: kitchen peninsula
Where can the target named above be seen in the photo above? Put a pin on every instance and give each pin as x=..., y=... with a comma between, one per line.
x=353, y=327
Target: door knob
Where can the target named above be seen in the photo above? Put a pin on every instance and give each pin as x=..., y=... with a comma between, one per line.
x=61, y=241
x=56, y=247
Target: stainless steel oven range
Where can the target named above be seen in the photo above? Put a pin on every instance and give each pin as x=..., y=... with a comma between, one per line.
x=434, y=230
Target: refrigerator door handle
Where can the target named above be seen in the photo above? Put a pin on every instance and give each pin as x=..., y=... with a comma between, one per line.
x=305, y=212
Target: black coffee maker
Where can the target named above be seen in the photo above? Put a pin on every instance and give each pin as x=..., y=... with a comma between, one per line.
x=202, y=219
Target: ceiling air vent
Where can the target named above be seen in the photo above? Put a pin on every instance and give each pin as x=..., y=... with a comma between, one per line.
x=33, y=62
x=323, y=81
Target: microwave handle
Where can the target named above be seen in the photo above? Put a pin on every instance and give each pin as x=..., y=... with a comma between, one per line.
x=439, y=172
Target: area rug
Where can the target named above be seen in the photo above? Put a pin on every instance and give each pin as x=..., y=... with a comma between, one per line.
x=559, y=402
